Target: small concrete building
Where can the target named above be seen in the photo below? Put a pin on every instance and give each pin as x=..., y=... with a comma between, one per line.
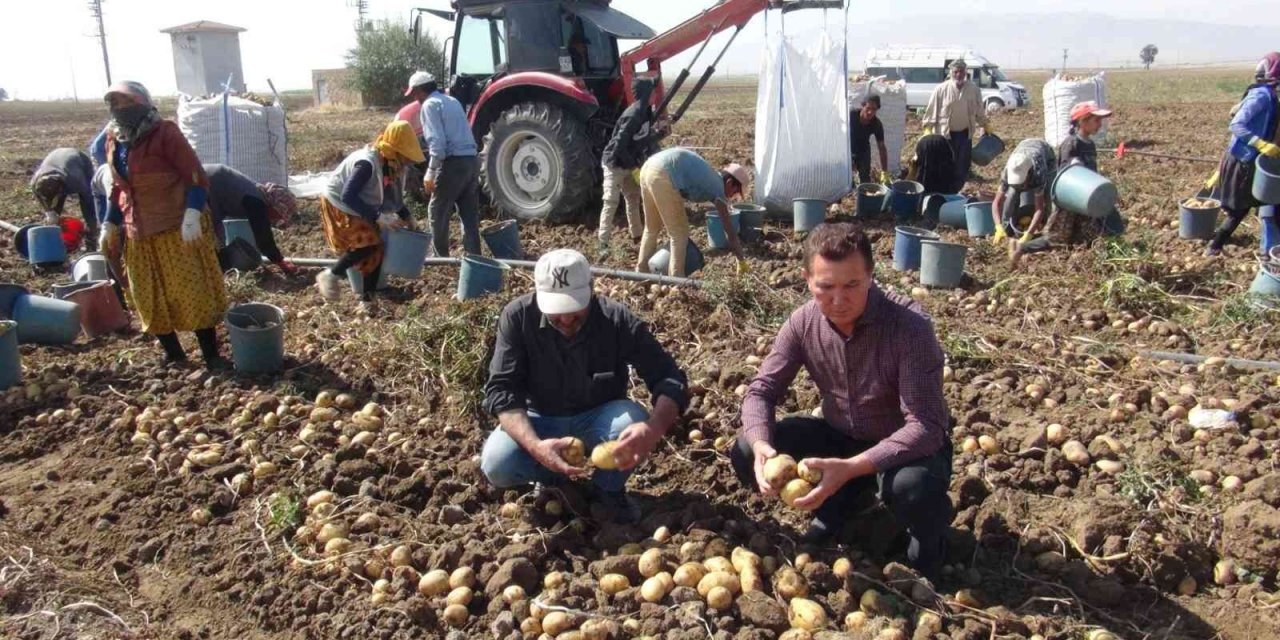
x=205, y=54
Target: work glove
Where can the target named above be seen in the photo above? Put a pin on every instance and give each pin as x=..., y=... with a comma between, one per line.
x=744, y=267
x=390, y=221
x=1000, y=235
x=52, y=219
x=109, y=239
x=884, y=177
x=1212, y=181
x=191, y=225
x=1264, y=147
x=1025, y=237
x=927, y=129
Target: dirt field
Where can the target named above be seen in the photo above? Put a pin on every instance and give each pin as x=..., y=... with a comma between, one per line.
x=149, y=502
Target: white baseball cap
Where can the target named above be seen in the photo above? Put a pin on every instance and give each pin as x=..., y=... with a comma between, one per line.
x=1018, y=168
x=418, y=79
x=562, y=280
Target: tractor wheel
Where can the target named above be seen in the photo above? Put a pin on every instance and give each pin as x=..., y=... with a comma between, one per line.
x=537, y=163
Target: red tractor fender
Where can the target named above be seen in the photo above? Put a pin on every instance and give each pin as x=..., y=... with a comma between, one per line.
x=568, y=93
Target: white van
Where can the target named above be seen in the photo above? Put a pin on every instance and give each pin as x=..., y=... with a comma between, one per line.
x=923, y=68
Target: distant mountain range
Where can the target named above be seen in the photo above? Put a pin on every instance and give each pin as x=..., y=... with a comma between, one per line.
x=1036, y=41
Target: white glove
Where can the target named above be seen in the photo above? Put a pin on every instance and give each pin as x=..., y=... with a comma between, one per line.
x=433, y=174
x=191, y=225
x=52, y=219
x=390, y=221
x=109, y=238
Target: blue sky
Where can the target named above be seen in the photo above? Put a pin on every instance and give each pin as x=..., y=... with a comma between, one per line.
x=288, y=38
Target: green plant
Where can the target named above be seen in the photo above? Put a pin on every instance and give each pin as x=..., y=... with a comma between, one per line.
x=961, y=347
x=1242, y=310
x=1129, y=292
x=284, y=513
x=751, y=298
x=386, y=55
x=1141, y=485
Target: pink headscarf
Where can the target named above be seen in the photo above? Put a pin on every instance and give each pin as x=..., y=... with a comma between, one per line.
x=281, y=204
x=1268, y=69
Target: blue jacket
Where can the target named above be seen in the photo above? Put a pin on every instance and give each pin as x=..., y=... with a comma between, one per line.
x=1256, y=117
x=445, y=127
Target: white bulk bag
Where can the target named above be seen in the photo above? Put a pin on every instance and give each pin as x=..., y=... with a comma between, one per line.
x=239, y=133
x=1063, y=92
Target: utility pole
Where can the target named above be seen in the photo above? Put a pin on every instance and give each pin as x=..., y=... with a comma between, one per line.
x=75, y=96
x=1064, y=60
x=361, y=7
x=95, y=11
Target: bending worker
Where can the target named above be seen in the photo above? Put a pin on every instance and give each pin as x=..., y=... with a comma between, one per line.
x=65, y=172
x=158, y=195
x=1030, y=169
x=1254, y=132
x=878, y=366
x=561, y=370
x=354, y=209
x=453, y=174
x=635, y=138
x=863, y=124
x=667, y=180
x=233, y=195
x=955, y=110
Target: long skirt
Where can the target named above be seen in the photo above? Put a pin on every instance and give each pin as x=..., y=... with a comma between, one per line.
x=1236, y=180
x=345, y=232
x=173, y=285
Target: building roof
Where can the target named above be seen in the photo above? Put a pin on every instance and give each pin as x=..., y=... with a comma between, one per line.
x=203, y=26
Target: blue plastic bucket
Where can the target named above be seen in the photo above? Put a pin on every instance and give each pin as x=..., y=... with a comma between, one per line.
x=934, y=202
x=10, y=358
x=941, y=263
x=716, y=237
x=951, y=213
x=256, y=333
x=1080, y=190
x=44, y=245
x=9, y=293
x=356, y=280
x=503, y=239
x=808, y=213
x=977, y=217
x=405, y=251
x=43, y=320
x=233, y=228
x=904, y=198
x=1197, y=223
x=906, y=247
x=479, y=275
x=660, y=262
x=988, y=148
x=751, y=219
x=1266, y=180
x=872, y=199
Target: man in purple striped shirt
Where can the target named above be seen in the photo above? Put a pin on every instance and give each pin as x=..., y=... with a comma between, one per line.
x=878, y=365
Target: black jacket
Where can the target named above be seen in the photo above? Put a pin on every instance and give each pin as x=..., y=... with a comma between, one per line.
x=634, y=138
x=536, y=368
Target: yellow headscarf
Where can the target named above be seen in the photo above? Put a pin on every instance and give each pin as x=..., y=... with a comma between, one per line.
x=398, y=140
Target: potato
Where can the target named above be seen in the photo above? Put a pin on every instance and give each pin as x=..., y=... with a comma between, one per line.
x=324, y=414
x=795, y=490
x=802, y=560
x=969, y=444
x=602, y=456
x=401, y=556
x=462, y=577
x=795, y=634
x=509, y=510
x=596, y=629
x=513, y=593
x=323, y=511
x=988, y=445
x=1224, y=572
x=460, y=595
x=779, y=470
x=743, y=558
x=806, y=614
x=891, y=633
x=556, y=622
x=368, y=521
x=719, y=563
x=750, y=579
x=719, y=579
x=337, y=546
x=661, y=535
x=841, y=567
x=654, y=589
x=1101, y=634
x=324, y=399
x=331, y=530
x=553, y=580
x=201, y=516
x=719, y=598
x=1055, y=433
x=630, y=549
x=456, y=615
x=790, y=584
x=1075, y=453
x=808, y=474
x=652, y=563
x=688, y=574
x=855, y=621
x=434, y=583
x=531, y=627
x=613, y=583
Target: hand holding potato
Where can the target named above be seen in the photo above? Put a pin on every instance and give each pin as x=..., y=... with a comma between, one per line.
x=832, y=474
x=635, y=445
x=551, y=453
x=763, y=451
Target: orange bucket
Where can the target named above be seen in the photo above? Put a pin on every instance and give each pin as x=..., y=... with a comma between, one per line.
x=100, y=310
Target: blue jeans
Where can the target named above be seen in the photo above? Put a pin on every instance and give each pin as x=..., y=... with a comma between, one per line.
x=506, y=464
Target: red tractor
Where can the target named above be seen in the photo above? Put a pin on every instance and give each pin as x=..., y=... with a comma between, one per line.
x=543, y=83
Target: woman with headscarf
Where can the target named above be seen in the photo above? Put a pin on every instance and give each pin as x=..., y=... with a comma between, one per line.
x=158, y=194
x=1254, y=132
x=234, y=195
x=934, y=165
x=365, y=194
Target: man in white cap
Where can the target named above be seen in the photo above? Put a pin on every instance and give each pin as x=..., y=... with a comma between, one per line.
x=1030, y=169
x=560, y=370
x=672, y=177
x=955, y=109
x=453, y=170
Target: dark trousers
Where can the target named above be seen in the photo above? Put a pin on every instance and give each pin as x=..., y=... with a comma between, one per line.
x=349, y=259
x=962, y=148
x=916, y=492
x=459, y=183
x=863, y=164
x=255, y=211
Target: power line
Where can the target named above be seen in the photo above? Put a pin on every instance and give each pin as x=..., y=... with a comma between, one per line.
x=95, y=11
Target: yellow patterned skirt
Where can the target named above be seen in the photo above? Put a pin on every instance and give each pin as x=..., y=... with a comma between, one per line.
x=345, y=232
x=173, y=285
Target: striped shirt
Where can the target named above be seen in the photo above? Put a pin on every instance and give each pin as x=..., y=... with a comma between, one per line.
x=881, y=385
